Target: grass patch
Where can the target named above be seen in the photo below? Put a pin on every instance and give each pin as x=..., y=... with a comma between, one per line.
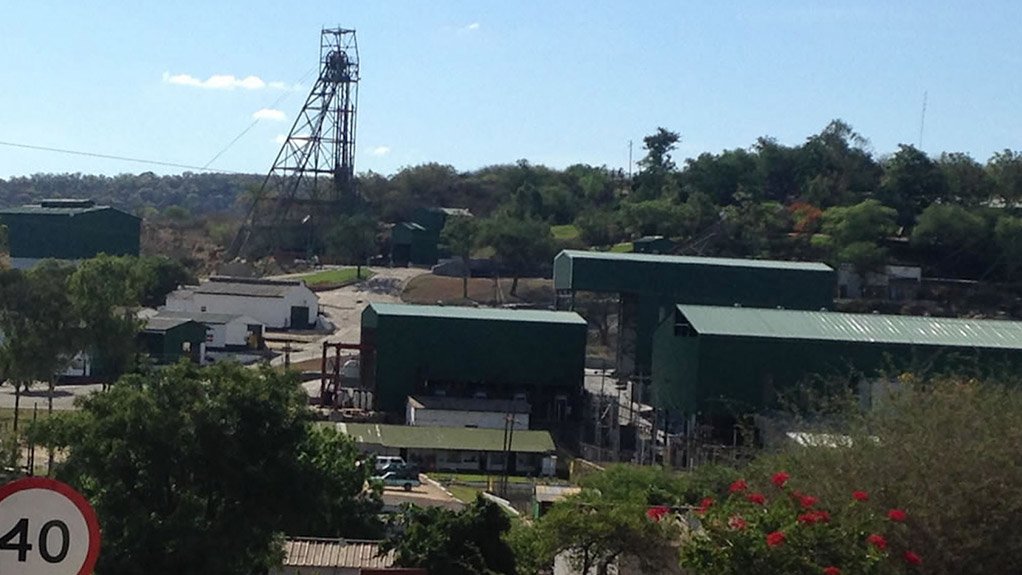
x=565, y=232
x=337, y=277
x=7, y=418
x=622, y=248
x=475, y=478
x=464, y=493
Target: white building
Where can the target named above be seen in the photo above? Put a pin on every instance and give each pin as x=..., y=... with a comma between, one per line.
x=434, y=411
x=278, y=304
x=224, y=330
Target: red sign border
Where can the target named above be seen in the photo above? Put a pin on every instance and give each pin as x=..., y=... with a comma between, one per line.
x=88, y=513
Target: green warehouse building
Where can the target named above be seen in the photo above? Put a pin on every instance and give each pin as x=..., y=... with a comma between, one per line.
x=68, y=230
x=534, y=355
x=711, y=363
x=648, y=283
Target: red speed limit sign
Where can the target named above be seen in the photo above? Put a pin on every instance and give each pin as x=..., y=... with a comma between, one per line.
x=46, y=528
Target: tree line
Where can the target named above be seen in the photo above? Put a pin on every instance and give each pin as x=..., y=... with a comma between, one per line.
x=820, y=199
x=55, y=312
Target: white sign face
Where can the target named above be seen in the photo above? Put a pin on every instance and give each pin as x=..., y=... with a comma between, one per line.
x=46, y=528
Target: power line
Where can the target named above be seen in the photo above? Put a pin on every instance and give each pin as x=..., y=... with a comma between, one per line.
x=256, y=121
x=114, y=157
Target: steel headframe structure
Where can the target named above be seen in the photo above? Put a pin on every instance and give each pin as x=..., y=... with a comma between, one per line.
x=313, y=175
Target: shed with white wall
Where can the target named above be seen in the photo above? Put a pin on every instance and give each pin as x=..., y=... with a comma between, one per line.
x=433, y=411
x=224, y=331
x=277, y=304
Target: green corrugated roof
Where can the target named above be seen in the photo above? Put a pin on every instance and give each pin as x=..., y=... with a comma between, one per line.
x=853, y=327
x=457, y=438
x=694, y=260
x=476, y=313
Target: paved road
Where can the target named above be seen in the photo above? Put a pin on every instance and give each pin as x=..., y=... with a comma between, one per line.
x=63, y=396
x=426, y=495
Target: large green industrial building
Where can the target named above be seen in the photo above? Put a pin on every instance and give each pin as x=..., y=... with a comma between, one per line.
x=649, y=283
x=713, y=361
x=68, y=230
x=467, y=352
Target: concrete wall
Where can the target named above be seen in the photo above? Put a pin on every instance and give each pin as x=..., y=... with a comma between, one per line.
x=449, y=418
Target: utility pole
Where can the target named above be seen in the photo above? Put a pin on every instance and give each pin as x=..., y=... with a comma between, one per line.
x=629, y=160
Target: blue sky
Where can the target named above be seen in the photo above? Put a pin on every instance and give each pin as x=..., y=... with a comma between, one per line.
x=485, y=82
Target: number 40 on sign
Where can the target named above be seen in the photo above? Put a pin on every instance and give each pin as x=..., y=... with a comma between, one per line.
x=46, y=528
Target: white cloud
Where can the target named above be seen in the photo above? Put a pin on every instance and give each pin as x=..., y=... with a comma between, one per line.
x=269, y=114
x=380, y=151
x=280, y=139
x=472, y=27
x=224, y=82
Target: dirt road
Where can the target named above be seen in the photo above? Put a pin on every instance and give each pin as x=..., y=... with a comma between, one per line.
x=343, y=307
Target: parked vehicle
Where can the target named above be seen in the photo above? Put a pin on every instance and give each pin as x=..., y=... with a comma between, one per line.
x=397, y=479
x=385, y=461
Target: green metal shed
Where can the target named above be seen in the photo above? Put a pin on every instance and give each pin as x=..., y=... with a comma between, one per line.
x=168, y=340
x=411, y=243
x=70, y=230
x=462, y=351
x=711, y=360
x=649, y=283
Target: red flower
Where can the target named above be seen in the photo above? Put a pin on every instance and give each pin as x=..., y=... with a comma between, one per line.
x=657, y=512
x=775, y=538
x=831, y=570
x=814, y=517
x=739, y=485
x=877, y=541
x=737, y=522
x=912, y=558
x=756, y=498
x=705, y=505
x=860, y=496
x=897, y=515
x=780, y=479
x=806, y=501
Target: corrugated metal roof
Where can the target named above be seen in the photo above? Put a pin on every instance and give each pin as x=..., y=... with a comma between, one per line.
x=694, y=260
x=162, y=324
x=852, y=327
x=470, y=404
x=326, y=553
x=554, y=493
x=476, y=313
x=37, y=209
x=456, y=438
x=199, y=316
x=247, y=290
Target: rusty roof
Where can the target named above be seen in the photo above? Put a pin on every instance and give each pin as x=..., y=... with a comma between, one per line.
x=351, y=553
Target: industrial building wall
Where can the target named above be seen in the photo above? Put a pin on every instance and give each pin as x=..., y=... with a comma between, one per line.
x=271, y=312
x=728, y=374
x=412, y=350
x=75, y=237
x=450, y=418
x=699, y=283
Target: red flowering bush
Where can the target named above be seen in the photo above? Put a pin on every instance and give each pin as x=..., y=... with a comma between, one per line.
x=782, y=530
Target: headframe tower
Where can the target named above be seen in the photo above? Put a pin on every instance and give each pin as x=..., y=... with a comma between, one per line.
x=313, y=177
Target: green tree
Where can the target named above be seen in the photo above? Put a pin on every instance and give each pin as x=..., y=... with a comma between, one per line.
x=459, y=237
x=352, y=240
x=656, y=169
x=911, y=182
x=196, y=470
x=968, y=183
x=954, y=237
x=599, y=227
x=157, y=276
x=104, y=294
x=942, y=449
x=520, y=245
x=853, y=234
x=1008, y=237
x=468, y=542
x=1005, y=168
x=725, y=177
x=835, y=166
